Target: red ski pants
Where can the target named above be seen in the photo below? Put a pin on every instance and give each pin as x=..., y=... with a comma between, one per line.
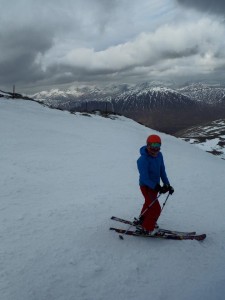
x=151, y=216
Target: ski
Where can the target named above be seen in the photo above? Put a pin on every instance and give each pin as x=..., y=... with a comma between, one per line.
x=161, y=230
x=199, y=237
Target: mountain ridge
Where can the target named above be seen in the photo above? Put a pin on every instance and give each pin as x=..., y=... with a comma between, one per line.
x=193, y=91
x=153, y=104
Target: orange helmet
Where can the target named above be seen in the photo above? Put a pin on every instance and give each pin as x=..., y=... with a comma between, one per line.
x=153, y=139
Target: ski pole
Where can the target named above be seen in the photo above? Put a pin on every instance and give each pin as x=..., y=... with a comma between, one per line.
x=121, y=235
x=165, y=202
x=149, y=206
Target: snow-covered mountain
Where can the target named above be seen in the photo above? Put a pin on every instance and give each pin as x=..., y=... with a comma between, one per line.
x=83, y=93
x=200, y=92
x=210, y=137
x=158, y=107
x=152, y=104
x=204, y=93
x=64, y=175
x=150, y=96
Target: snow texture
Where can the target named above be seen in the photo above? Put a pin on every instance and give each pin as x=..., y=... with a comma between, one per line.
x=63, y=176
x=209, y=137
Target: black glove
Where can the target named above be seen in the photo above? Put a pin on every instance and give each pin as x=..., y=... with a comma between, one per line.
x=158, y=188
x=171, y=190
x=165, y=188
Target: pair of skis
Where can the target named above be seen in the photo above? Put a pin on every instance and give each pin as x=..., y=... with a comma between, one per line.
x=162, y=233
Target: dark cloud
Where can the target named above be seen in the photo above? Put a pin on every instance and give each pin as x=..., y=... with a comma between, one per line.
x=169, y=54
x=210, y=6
x=19, y=50
x=31, y=29
x=50, y=42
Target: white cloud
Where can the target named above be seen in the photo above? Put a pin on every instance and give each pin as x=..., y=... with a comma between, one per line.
x=174, y=44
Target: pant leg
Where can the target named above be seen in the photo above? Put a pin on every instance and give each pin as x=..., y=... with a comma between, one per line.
x=151, y=216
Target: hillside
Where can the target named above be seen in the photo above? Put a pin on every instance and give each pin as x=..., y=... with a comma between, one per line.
x=9, y=95
x=210, y=137
x=64, y=175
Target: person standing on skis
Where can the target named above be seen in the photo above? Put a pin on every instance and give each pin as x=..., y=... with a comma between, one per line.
x=151, y=169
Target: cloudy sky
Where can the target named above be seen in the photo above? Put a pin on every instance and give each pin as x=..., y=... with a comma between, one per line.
x=61, y=43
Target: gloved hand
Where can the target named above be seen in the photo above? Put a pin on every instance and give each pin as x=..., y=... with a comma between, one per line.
x=171, y=190
x=165, y=188
x=158, y=188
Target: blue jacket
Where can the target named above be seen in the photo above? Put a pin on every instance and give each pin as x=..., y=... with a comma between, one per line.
x=151, y=169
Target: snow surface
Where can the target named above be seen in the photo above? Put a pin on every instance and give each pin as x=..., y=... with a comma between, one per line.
x=209, y=145
x=63, y=176
x=209, y=138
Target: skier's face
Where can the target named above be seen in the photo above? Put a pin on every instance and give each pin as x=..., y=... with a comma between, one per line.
x=153, y=149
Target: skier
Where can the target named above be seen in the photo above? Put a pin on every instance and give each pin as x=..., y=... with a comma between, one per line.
x=151, y=168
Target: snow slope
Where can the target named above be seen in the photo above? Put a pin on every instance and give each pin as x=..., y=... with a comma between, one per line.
x=63, y=176
x=209, y=137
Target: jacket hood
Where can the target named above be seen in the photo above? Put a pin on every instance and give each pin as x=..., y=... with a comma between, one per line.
x=143, y=150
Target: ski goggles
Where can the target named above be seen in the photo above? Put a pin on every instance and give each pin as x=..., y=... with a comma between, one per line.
x=154, y=146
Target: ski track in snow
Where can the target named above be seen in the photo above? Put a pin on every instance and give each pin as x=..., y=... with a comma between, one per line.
x=63, y=176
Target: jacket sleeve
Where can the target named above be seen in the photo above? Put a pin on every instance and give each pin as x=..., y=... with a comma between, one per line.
x=144, y=174
x=163, y=174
